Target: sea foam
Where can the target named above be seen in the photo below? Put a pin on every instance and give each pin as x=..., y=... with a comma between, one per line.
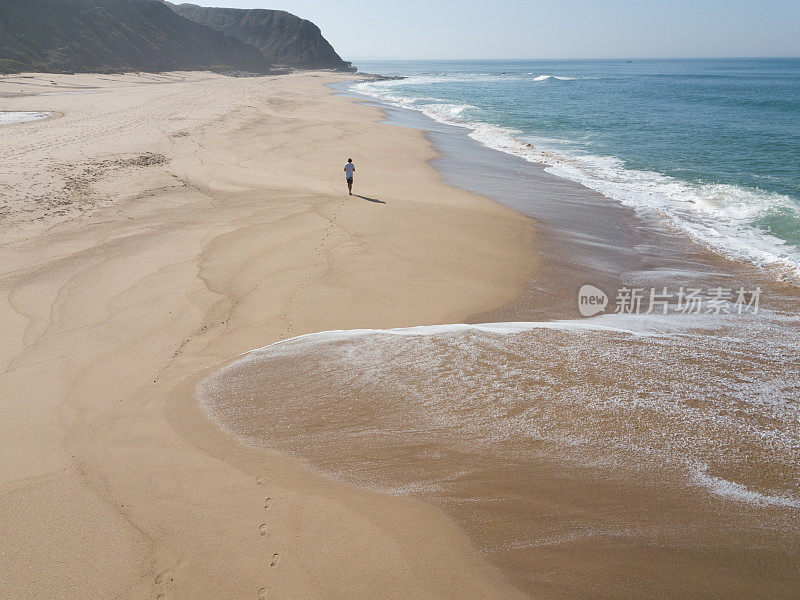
x=558, y=77
x=740, y=493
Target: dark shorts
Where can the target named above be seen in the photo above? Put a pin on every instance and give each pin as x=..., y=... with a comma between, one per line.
x=349, y=179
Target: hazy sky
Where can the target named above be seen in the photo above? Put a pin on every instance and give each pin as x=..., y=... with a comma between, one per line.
x=552, y=29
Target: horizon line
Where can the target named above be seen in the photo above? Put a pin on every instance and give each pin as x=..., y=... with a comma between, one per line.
x=765, y=57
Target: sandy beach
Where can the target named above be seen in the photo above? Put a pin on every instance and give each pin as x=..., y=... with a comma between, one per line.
x=156, y=225
x=156, y=228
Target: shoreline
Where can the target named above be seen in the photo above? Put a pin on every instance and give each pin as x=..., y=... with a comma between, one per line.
x=615, y=244
x=664, y=259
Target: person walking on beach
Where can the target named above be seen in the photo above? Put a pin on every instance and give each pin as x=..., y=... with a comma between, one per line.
x=349, y=170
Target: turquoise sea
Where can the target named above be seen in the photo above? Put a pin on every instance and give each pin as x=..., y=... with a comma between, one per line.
x=711, y=145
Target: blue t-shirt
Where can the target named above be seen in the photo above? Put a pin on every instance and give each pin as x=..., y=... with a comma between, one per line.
x=349, y=169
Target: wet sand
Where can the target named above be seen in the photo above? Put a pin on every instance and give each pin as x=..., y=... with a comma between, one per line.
x=586, y=462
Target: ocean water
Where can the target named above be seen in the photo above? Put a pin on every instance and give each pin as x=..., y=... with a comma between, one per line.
x=713, y=146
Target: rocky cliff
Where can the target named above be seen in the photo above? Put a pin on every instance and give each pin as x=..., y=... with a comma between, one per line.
x=283, y=38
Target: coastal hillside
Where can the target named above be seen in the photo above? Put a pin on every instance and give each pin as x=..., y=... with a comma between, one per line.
x=285, y=39
x=66, y=36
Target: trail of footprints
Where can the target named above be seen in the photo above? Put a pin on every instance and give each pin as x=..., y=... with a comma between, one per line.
x=289, y=330
x=165, y=581
x=263, y=530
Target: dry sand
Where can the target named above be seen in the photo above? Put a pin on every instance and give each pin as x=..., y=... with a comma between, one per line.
x=158, y=225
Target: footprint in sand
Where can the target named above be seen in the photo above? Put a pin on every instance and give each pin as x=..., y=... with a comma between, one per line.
x=259, y=481
x=262, y=594
x=275, y=559
x=263, y=529
x=164, y=577
x=268, y=504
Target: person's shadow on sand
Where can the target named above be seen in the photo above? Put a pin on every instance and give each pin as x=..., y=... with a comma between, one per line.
x=369, y=199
